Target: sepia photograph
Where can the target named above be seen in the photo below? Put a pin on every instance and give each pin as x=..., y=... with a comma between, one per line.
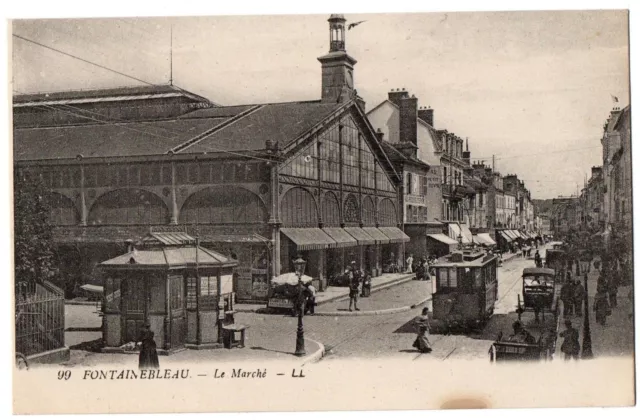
x=358, y=211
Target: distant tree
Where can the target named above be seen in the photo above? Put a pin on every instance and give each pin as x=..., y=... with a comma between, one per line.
x=33, y=241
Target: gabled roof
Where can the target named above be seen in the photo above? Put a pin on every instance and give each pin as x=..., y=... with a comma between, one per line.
x=396, y=156
x=100, y=95
x=227, y=129
x=175, y=257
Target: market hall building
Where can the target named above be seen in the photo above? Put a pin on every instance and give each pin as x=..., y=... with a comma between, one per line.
x=259, y=183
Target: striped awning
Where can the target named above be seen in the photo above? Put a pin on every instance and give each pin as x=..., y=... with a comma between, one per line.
x=360, y=235
x=342, y=238
x=309, y=238
x=485, y=238
x=394, y=234
x=441, y=237
x=375, y=233
x=506, y=236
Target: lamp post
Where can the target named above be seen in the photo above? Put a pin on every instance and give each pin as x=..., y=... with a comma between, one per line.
x=299, y=265
x=587, y=352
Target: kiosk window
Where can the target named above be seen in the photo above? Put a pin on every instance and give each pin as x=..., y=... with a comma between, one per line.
x=192, y=288
x=453, y=277
x=208, y=292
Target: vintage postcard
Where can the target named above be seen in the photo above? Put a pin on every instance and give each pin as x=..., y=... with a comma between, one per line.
x=322, y=212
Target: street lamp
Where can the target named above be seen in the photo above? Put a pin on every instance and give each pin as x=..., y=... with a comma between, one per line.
x=299, y=265
x=587, y=351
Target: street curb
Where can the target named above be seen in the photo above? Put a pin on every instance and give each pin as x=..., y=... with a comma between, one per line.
x=376, y=312
x=401, y=280
x=84, y=303
x=316, y=355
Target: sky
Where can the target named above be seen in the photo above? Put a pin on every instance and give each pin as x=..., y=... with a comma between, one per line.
x=532, y=88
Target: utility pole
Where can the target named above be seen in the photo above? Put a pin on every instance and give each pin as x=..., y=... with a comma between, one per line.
x=171, y=57
x=493, y=163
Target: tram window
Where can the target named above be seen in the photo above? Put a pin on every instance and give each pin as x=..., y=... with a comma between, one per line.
x=477, y=275
x=453, y=277
x=467, y=280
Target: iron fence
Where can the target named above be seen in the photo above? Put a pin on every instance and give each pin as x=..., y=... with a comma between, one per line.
x=39, y=318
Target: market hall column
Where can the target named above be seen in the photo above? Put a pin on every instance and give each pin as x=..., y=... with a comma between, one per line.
x=83, y=199
x=274, y=220
x=174, y=199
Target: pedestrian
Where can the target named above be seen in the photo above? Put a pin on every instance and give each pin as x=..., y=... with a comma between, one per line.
x=311, y=298
x=354, y=284
x=601, y=308
x=579, y=296
x=613, y=294
x=148, y=357
x=410, y=264
x=427, y=275
x=571, y=344
x=567, y=296
x=538, y=259
x=366, y=285
x=424, y=326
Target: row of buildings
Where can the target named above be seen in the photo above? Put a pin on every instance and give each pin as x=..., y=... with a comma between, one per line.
x=261, y=183
x=604, y=205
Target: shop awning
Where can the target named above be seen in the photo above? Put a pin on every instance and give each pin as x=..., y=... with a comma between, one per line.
x=360, y=235
x=309, y=238
x=342, y=238
x=237, y=238
x=506, y=236
x=466, y=233
x=455, y=232
x=394, y=234
x=440, y=237
x=512, y=235
x=485, y=238
x=375, y=233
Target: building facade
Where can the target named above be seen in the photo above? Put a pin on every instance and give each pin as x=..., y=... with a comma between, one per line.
x=616, y=170
x=261, y=183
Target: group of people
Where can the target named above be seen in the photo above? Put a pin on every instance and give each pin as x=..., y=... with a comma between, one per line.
x=359, y=285
x=423, y=268
x=573, y=296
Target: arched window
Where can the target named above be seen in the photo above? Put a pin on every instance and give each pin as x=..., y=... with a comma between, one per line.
x=217, y=205
x=298, y=208
x=368, y=211
x=330, y=210
x=351, y=209
x=387, y=215
x=128, y=207
x=62, y=211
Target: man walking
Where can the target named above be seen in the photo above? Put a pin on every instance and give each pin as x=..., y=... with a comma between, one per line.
x=567, y=296
x=410, y=264
x=579, y=296
x=571, y=344
x=354, y=283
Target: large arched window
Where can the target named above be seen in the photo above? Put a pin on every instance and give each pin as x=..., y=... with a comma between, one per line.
x=351, y=209
x=368, y=211
x=62, y=211
x=217, y=205
x=330, y=210
x=128, y=207
x=387, y=215
x=298, y=208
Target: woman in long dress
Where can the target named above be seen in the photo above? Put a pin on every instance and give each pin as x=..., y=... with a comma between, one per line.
x=148, y=358
x=422, y=340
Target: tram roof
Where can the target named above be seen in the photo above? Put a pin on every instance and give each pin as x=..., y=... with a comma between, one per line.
x=478, y=262
x=538, y=270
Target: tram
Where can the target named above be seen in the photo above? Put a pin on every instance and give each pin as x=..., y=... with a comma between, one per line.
x=466, y=291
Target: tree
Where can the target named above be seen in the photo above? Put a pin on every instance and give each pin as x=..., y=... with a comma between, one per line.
x=33, y=239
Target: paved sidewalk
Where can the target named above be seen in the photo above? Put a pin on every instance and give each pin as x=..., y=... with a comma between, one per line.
x=400, y=296
x=616, y=338
x=271, y=348
x=333, y=293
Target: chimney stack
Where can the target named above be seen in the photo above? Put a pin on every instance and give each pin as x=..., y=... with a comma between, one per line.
x=396, y=95
x=426, y=115
x=466, y=155
x=409, y=120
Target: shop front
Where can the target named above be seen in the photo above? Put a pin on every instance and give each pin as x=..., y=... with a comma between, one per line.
x=394, y=250
x=180, y=289
x=309, y=243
